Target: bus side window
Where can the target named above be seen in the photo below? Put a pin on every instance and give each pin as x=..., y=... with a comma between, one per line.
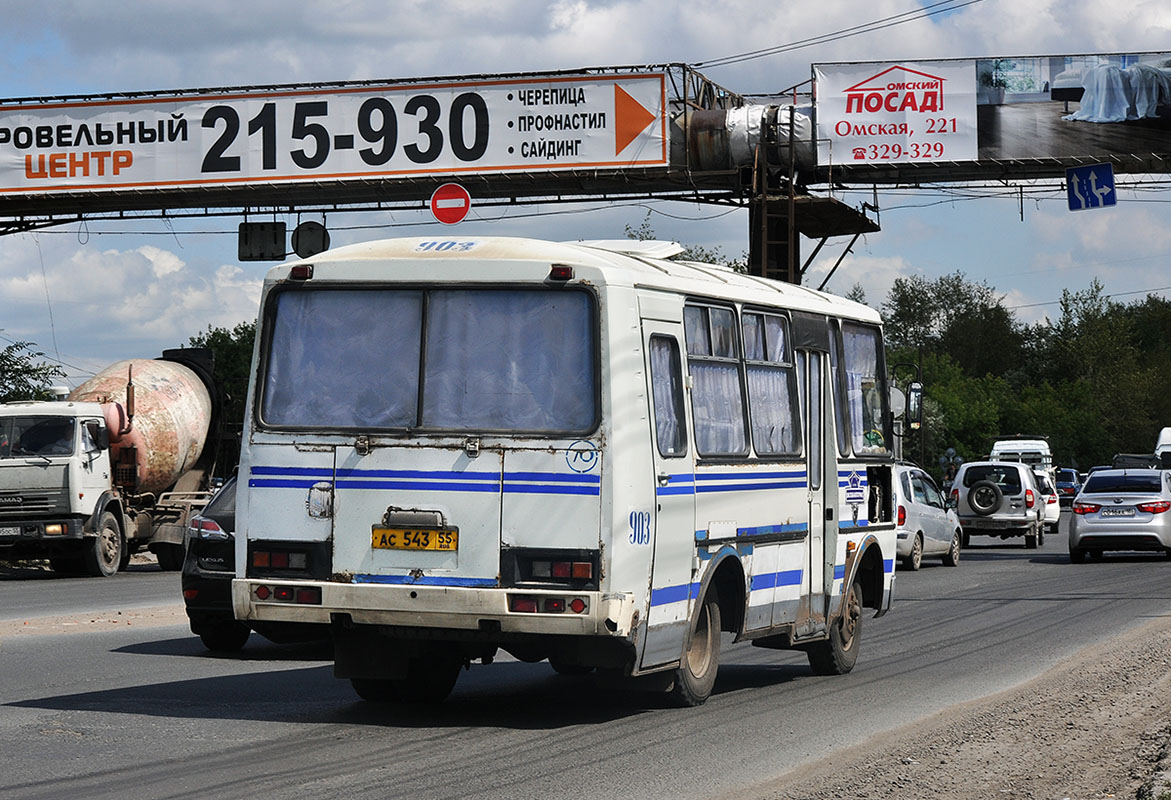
x=667, y=392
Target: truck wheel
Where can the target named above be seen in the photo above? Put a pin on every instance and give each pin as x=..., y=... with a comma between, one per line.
x=838, y=654
x=696, y=675
x=227, y=637
x=66, y=565
x=170, y=557
x=103, y=553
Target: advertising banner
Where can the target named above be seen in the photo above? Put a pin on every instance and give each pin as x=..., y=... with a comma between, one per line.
x=353, y=132
x=896, y=112
x=1031, y=115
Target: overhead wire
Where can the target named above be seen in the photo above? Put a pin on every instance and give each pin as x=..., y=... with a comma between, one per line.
x=941, y=7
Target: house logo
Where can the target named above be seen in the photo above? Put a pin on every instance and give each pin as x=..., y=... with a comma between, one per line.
x=896, y=89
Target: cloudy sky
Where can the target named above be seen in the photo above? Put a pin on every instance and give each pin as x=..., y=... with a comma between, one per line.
x=89, y=294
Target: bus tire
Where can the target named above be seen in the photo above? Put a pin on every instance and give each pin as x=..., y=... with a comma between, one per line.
x=375, y=690
x=103, y=553
x=838, y=654
x=696, y=675
x=428, y=680
x=568, y=667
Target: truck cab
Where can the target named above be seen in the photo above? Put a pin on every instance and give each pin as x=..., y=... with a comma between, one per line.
x=54, y=468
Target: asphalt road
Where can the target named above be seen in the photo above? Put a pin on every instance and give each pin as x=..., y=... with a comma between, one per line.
x=146, y=712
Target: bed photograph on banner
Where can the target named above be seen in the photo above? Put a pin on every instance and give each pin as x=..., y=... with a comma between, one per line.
x=1051, y=106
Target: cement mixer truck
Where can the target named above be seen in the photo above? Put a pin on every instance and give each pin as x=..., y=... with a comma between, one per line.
x=118, y=466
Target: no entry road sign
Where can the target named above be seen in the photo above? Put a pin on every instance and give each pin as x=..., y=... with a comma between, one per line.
x=450, y=203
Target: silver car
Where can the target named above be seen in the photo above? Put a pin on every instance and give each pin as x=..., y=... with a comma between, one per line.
x=1121, y=509
x=926, y=526
x=999, y=498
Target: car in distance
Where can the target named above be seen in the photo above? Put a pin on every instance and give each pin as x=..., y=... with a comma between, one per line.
x=1069, y=483
x=1052, y=503
x=209, y=565
x=927, y=526
x=999, y=498
x=1121, y=509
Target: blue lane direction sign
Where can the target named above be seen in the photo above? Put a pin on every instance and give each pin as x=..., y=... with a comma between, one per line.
x=1091, y=186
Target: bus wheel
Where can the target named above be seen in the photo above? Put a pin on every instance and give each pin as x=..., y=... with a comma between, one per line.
x=375, y=690
x=838, y=654
x=701, y=659
x=103, y=553
x=568, y=667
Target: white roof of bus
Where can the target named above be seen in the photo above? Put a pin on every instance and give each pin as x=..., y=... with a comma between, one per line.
x=612, y=268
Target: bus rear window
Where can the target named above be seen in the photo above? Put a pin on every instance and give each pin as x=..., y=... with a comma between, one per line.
x=441, y=359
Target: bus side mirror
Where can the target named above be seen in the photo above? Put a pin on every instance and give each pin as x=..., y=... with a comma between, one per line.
x=915, y=405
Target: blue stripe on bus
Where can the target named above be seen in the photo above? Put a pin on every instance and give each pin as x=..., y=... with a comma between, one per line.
x=426, y=580
x=750, y=487
x=532, y=488
x=566, y=477
x=847, y=523
x=888, y=565
x=791, y=577
x=417, y=486
x=839, y=571
x=728, y=476
x=674, y=594
x=787, y=528
x=438, y=480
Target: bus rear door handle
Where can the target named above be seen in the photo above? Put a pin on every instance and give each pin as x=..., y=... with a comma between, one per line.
x=664, y=479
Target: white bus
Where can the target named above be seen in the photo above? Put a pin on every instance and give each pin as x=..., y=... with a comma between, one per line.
x=563, y=451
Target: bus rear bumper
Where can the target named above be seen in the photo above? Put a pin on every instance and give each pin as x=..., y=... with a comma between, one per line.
x=420, y=606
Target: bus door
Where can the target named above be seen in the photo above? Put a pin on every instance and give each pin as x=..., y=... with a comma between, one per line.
x=672, y=524
x=811, y=376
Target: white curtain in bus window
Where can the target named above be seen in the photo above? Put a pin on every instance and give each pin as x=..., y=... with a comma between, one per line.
x=771, y=386
x=864, y=389
x=835, y=342
x=343, y=359
x=716, y=399
x=667, y=391
x=509, y=361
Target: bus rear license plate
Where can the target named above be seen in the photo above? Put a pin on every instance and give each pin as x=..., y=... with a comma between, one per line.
x=1117, y=512
x=414, y=539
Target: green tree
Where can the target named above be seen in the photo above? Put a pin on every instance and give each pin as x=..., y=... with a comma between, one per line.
x=24, y=375
x=232, y=349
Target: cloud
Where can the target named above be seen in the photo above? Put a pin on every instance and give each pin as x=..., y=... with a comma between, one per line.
x=92, y=306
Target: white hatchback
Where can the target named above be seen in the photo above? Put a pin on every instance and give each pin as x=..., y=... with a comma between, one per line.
x=926, y=526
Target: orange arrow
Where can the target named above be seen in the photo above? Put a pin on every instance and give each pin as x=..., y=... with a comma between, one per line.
x=630, y=119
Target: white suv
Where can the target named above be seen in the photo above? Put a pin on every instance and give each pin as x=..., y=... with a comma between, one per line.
x=999, y=498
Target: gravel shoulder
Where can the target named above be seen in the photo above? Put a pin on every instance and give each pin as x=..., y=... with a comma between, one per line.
x=1095, y=727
